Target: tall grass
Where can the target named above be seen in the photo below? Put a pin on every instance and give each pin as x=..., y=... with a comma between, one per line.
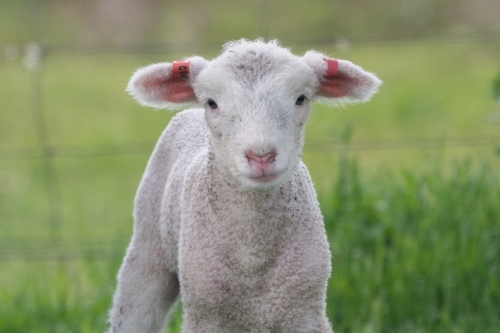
x=55, y=296
x=412, y=252
x=415, y=251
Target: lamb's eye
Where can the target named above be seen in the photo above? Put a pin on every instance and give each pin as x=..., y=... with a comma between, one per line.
x=300, y=100
x=211, y=103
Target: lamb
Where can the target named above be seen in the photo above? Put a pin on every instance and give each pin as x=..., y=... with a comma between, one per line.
x=226, y=216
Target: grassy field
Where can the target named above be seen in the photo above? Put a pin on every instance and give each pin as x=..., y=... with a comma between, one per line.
x=413, y=251
x=414, y=231
x=416, y=251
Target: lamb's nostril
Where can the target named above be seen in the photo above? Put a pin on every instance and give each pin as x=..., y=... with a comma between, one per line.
x=269, y=157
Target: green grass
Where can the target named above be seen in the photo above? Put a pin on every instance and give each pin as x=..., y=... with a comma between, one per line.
x=415, y=251
x=415, y=233
x=55, y=296
x=412, y=252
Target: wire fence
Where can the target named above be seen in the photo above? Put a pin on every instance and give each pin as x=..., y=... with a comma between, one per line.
x=87, y=248
x=91, y=151
x=34, y=55
x=47, y=49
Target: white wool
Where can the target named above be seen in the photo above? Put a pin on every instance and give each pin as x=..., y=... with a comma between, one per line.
x=226, y=216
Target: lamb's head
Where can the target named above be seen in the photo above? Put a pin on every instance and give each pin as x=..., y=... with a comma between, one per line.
x=256, y=97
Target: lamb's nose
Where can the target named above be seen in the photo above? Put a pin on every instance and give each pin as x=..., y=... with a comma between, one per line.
x=260, y=161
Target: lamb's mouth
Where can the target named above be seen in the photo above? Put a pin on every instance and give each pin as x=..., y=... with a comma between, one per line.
x=264, y=178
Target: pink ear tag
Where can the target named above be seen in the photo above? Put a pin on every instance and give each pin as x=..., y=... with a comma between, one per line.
x=332, y=68
x=180, y=69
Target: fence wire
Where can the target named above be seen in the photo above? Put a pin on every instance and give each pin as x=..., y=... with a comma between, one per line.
x=37, y=51
x=89, y=248
x=127, y=148
x=11, y=52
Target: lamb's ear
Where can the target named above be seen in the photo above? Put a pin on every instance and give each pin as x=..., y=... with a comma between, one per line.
x=341, y=80
x=166, y=85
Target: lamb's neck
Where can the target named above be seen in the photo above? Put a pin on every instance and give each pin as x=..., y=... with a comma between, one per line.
x=236, y=204
x=251, y=227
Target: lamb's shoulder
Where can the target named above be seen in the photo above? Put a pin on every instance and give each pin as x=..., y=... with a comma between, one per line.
x=186, y=134
x=185, y=137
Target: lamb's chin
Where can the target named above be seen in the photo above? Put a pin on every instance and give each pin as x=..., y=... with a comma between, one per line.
x=266, y=183
x=264, y=179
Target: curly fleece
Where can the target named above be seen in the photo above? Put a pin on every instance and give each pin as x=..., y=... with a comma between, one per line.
x=241, y=243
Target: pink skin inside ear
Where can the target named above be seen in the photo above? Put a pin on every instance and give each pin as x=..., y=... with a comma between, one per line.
x=179, y=91
x=174, y=90
x=333, y=88
x=334, y=84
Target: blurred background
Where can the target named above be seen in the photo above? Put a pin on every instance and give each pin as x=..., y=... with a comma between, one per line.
x=409, y=183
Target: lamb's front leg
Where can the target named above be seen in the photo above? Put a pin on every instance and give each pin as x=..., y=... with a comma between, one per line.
x=146, y=291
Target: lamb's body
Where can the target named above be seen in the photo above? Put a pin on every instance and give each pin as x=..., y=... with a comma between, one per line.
x=243, y=254
x=226, y=213
x=245, y=266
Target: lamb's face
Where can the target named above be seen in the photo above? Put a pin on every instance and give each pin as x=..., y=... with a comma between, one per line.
x=256, y=109
x=256, y=97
